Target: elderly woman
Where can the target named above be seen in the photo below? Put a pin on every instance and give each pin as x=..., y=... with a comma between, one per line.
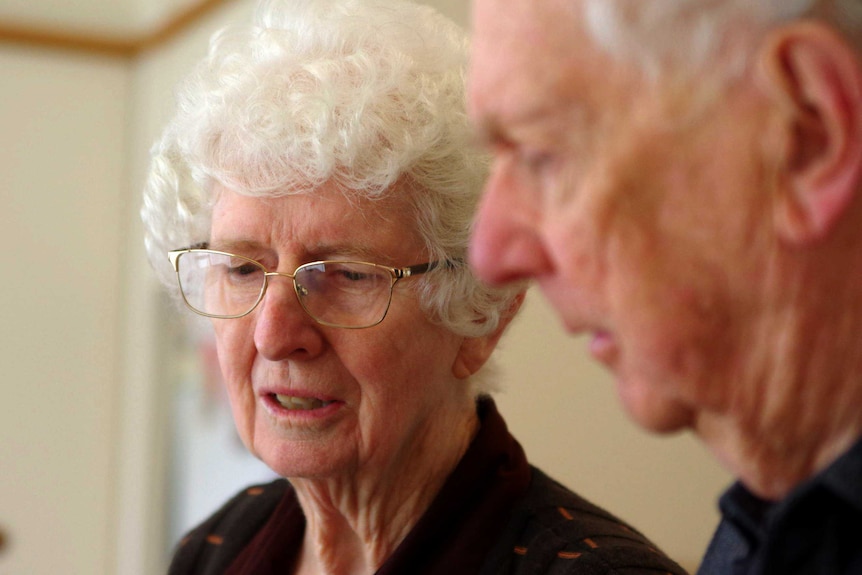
x=313, y=197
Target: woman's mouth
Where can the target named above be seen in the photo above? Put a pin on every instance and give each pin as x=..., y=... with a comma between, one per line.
x=293, y=403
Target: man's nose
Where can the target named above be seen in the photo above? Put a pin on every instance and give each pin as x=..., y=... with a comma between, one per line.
x=506, y=244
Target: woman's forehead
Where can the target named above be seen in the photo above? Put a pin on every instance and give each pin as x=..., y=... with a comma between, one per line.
x=317, y=223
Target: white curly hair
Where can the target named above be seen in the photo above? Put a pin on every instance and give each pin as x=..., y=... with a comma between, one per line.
x=360, y=93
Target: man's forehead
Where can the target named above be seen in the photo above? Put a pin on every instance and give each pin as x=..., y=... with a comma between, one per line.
x=524, y=21
x=532, y=39
x=522, y=71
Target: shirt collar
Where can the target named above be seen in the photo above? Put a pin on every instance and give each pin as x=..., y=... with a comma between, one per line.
x=751, y=514
x=844, y=476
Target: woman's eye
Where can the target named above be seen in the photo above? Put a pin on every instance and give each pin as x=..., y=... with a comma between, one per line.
x=246, y=269
x=243, y=270
x=354, y=275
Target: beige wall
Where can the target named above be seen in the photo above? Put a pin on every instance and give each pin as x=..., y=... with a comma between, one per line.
x=62, y=199
x=83, y=408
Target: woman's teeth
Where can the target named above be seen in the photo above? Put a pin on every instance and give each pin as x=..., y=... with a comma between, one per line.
x=300, y=403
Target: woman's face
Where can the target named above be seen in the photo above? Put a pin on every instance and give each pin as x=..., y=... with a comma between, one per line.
x=315, y=401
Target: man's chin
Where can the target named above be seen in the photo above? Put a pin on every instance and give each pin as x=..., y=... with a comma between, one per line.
x=652, y=411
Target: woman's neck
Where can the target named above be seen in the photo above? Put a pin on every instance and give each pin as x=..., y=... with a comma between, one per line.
x=357, y=520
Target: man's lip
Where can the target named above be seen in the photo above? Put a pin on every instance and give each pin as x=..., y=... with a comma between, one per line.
x=603, y=346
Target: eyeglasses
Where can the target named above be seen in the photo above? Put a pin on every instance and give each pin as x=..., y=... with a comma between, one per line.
x=345, y=294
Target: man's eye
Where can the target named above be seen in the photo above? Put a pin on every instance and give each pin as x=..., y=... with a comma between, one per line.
x=536, y=161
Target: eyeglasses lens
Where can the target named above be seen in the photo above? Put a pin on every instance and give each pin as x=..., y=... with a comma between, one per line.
x=343, y=294
x=220, y=285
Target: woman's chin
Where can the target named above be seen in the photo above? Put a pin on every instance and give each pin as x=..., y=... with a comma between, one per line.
x=304, y=453
x=299, y=461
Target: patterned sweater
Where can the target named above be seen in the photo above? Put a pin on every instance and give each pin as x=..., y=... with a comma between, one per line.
x=495, y=515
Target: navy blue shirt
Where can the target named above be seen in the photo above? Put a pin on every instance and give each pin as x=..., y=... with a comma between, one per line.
x=816, y=529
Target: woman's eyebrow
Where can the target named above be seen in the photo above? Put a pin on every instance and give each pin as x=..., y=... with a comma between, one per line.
x=319, y=251
x=343, y=251
x=233, y=245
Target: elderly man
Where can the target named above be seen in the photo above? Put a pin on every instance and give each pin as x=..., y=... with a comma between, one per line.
x=683, y=179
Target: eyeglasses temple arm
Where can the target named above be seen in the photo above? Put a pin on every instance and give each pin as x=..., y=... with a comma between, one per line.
x=427, y=267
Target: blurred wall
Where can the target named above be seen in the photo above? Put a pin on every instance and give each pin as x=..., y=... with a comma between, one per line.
x=63, y=197
x=87, y=336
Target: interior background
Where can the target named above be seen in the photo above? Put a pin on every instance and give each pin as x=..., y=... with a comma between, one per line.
x=94, y=361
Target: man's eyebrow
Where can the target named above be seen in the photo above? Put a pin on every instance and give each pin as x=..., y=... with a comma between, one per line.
x=487, y=132
x=529, y=123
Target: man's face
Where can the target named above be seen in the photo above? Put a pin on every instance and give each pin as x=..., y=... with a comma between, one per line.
x=643, y=229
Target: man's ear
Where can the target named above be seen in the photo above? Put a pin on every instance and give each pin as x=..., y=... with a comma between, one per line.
x=475, y=351
x=814, y=77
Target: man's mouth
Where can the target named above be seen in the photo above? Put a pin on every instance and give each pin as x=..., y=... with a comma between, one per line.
x=603, y=346
x=300, y=403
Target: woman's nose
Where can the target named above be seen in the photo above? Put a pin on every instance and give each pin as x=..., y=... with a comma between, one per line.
x=506, y=244
x=282, y=328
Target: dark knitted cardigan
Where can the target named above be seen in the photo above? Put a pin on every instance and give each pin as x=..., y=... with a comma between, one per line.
x=495, y=515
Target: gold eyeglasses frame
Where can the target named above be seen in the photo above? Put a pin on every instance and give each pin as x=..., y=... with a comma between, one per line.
x=396, y=274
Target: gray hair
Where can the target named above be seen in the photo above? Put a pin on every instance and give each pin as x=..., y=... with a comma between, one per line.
x=365, y=94
x=684, y=36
